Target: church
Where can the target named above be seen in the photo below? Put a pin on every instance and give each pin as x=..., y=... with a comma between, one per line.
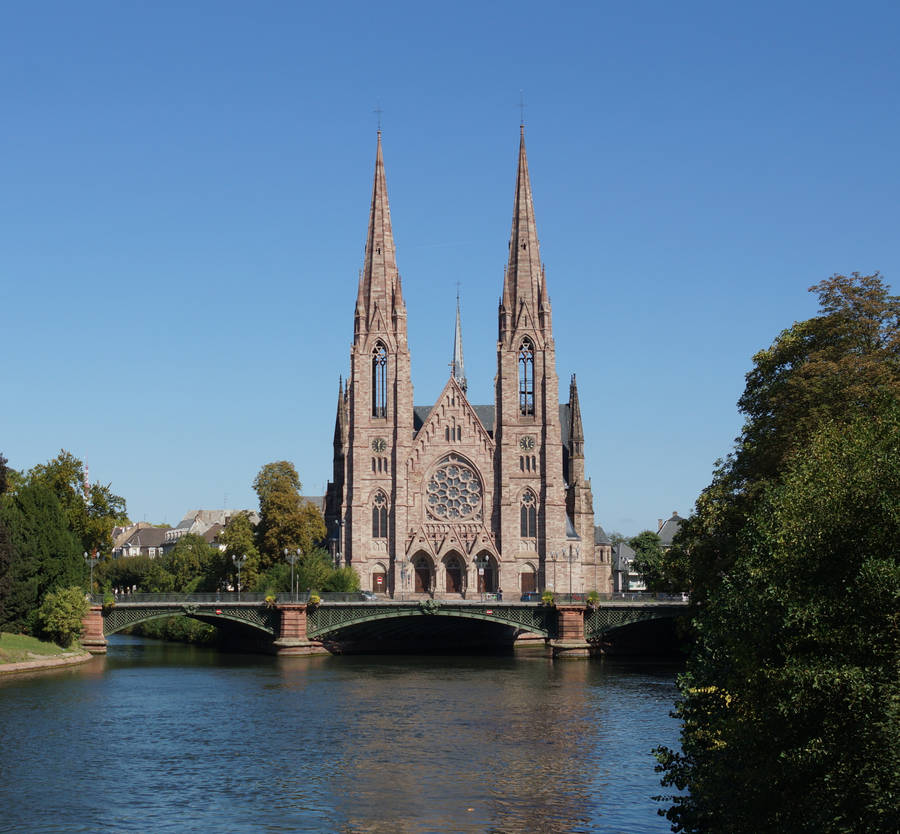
x=455, y=499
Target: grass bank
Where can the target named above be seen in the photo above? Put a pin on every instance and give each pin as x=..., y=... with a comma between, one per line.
x=19, y=648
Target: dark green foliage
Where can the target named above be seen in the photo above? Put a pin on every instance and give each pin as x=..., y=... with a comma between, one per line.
x=792, y=701
x=791, y=705
x=141, y=573
x=91, y=519
x=177, y=630
x=343, y=579
x=61, y=615
x=45, y=553
x=192, y=564
x=648, y=559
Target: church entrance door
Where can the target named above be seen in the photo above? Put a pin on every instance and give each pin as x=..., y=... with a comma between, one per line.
x=454, y=576
x=423, y=575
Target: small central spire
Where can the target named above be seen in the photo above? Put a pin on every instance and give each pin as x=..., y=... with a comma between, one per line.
x=457, y=367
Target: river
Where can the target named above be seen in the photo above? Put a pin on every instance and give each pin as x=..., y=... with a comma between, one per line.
x=159, y=737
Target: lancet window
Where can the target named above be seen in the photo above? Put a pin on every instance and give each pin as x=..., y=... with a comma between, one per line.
x=379, y=516
x=529, y=515
x=526, y=378
x=379, y=381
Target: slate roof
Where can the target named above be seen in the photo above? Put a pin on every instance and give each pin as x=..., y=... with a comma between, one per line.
x=600, y=536
x=670, y=528
x=147, y=537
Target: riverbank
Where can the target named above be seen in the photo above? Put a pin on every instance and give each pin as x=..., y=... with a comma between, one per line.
x=20, y=653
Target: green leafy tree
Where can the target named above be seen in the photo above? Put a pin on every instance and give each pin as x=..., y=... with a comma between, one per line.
x=827, y=367
x=343, y=579
x=648, y=559
x=142, y=573
x=90, y=518
x=45, y=553
x=61, y=615
x=286, y=520
x=5, y=545
x=791, y=703
x=822, y=382
x=190, y=563
x=239, y=539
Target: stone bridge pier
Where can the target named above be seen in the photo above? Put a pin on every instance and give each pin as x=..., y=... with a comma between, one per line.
x=292, y=639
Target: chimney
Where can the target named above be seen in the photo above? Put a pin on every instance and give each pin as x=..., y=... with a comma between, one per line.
x=659, y=524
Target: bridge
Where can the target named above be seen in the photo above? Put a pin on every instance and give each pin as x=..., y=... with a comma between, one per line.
x=351, y=623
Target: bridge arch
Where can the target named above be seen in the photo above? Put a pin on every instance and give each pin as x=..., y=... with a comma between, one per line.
x=255, y=617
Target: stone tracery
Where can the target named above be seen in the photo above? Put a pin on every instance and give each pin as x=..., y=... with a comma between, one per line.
x=453, y=492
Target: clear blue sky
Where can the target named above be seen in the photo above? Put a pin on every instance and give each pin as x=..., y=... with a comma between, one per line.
x=184, y=193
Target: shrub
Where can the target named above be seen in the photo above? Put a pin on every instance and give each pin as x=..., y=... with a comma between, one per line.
x=61, y=613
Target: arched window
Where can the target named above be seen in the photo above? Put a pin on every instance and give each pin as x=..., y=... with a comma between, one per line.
x=529, y=516
x=526, y=377
x=379, y=381
x=379, y=516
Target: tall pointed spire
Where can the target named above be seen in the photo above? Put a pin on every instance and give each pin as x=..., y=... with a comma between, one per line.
x=457, y=367
x=379, y=286
x=576, y=428
x=523, y=282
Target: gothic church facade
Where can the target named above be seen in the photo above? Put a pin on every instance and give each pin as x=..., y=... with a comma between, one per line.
x=455, y=498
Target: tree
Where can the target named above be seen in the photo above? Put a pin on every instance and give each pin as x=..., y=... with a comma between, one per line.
x=61, y=615
x=791, y=704
x=648, y=559
x=189, y=563
x=821, y=385
x=141, y=573
x=286, y=519
x=239, y=539
x=5, y=545
x=90, y=517
x=45, y=553
x=827, y=367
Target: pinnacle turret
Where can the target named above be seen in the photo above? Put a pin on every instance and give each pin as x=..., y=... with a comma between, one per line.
x=576, y=428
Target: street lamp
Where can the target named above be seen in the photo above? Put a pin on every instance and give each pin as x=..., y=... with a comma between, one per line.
x=239, y=562
x=338, y=540
x=292, y=558
x=403, y=575
x=91, y=560
x=554, y=556
x=481, y=564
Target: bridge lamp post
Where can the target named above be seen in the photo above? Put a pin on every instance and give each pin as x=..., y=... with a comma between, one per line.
x=403, y=575
x=292, y=558
x=481, y=564
x=91, y=560
x=239, y=563
x=554, y=557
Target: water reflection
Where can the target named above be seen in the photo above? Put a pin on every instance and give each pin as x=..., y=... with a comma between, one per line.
x=169, y=738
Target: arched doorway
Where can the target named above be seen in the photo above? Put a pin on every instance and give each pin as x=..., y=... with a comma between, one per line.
x=453, y=570
x=486, y=566
x=528, y=579
x=379, y=579
x=422, y=574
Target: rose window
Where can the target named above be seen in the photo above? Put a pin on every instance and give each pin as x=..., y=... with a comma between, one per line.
x=453, y=492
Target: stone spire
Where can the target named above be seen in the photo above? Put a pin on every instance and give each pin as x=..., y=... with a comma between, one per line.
x=379, y=282
x=523, y=283
x=457, y=367
x=339, y=418
x=576, y=429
